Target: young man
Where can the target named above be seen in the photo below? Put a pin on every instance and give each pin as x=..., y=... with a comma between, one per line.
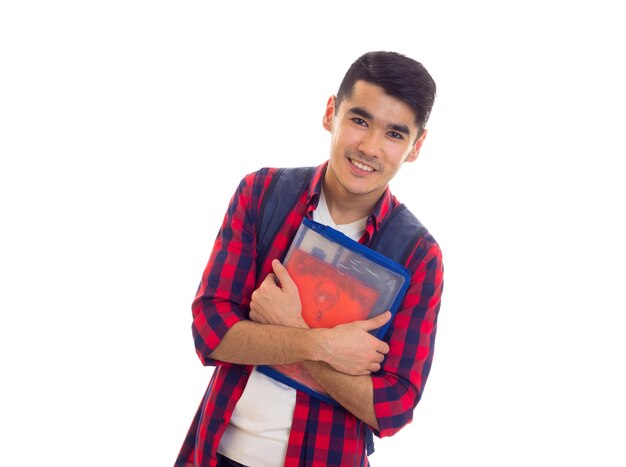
x=242, y=318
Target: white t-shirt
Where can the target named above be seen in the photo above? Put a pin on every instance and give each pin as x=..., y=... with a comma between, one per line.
x=259, y=428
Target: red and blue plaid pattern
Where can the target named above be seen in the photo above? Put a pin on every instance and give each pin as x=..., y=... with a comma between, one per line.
x=321, y=434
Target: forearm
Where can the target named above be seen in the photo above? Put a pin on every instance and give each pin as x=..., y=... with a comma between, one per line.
x=250, y=343
x=354, y=393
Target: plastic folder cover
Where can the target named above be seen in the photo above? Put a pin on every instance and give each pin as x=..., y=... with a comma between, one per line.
x=339, y=281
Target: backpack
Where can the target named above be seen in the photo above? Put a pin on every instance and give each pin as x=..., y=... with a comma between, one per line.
x=395, y=238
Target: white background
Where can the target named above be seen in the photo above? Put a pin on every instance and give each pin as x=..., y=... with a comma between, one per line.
x=125, y=127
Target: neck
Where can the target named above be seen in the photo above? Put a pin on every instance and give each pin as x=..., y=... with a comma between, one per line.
x=345, y=207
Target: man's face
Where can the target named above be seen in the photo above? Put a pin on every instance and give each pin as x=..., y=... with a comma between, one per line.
x=372, y=134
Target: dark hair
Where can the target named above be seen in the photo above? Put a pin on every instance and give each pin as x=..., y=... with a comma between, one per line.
x=400, y=77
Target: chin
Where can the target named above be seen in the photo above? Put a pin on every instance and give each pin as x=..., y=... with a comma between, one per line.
x=359, y=189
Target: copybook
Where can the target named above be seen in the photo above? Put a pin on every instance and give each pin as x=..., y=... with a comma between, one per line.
x=339, y=281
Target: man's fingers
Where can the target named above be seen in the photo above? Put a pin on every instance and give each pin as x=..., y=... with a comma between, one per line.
x=282, y=274
x=375, y=322
x=270, y=279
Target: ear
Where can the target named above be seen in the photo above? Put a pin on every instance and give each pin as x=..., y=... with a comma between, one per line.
x=329, y=114
x=416, y=147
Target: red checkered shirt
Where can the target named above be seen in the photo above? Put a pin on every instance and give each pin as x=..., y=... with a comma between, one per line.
x=321, y=434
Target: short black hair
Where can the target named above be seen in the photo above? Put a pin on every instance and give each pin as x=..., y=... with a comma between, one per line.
x=400, y=77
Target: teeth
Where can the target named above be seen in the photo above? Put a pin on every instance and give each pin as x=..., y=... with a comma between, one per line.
x=364, y=167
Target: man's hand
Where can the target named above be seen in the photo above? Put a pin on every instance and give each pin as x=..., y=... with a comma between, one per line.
x=351, y=349
x=274, y=303
x=348, y=348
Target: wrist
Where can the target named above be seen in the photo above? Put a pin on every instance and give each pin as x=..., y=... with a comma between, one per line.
x=297, y=322
x=316, y=345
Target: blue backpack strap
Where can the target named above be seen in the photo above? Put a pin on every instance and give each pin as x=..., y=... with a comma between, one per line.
x=400, y=232
x=283, y=192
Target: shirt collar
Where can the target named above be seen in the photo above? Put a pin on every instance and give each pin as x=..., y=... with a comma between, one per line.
x=382, y=209
x=315, y=188
x=380, y=212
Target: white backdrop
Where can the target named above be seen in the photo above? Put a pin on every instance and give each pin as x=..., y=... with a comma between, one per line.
x=125, y=126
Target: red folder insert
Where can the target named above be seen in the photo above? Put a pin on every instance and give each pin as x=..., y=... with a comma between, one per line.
x=328, y=298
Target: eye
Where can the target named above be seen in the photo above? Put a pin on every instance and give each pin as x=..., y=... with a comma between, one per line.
x=359, y=121
x=395, y=135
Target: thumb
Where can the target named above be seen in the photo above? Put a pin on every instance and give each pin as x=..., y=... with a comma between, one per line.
x=376, y=322
x=282, y=275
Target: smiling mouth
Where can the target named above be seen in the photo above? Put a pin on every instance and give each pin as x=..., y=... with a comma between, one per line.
x=361, y=165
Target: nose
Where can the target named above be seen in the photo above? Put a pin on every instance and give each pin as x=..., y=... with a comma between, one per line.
x=370, y=144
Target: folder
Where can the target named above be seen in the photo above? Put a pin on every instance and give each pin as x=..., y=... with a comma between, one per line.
x=339, y=281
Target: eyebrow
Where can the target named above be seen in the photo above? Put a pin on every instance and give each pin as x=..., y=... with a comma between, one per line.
x=392, y=126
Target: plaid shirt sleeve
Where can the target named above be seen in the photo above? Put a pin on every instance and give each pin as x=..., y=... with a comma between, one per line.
x=229, y=278
x=398, y=386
